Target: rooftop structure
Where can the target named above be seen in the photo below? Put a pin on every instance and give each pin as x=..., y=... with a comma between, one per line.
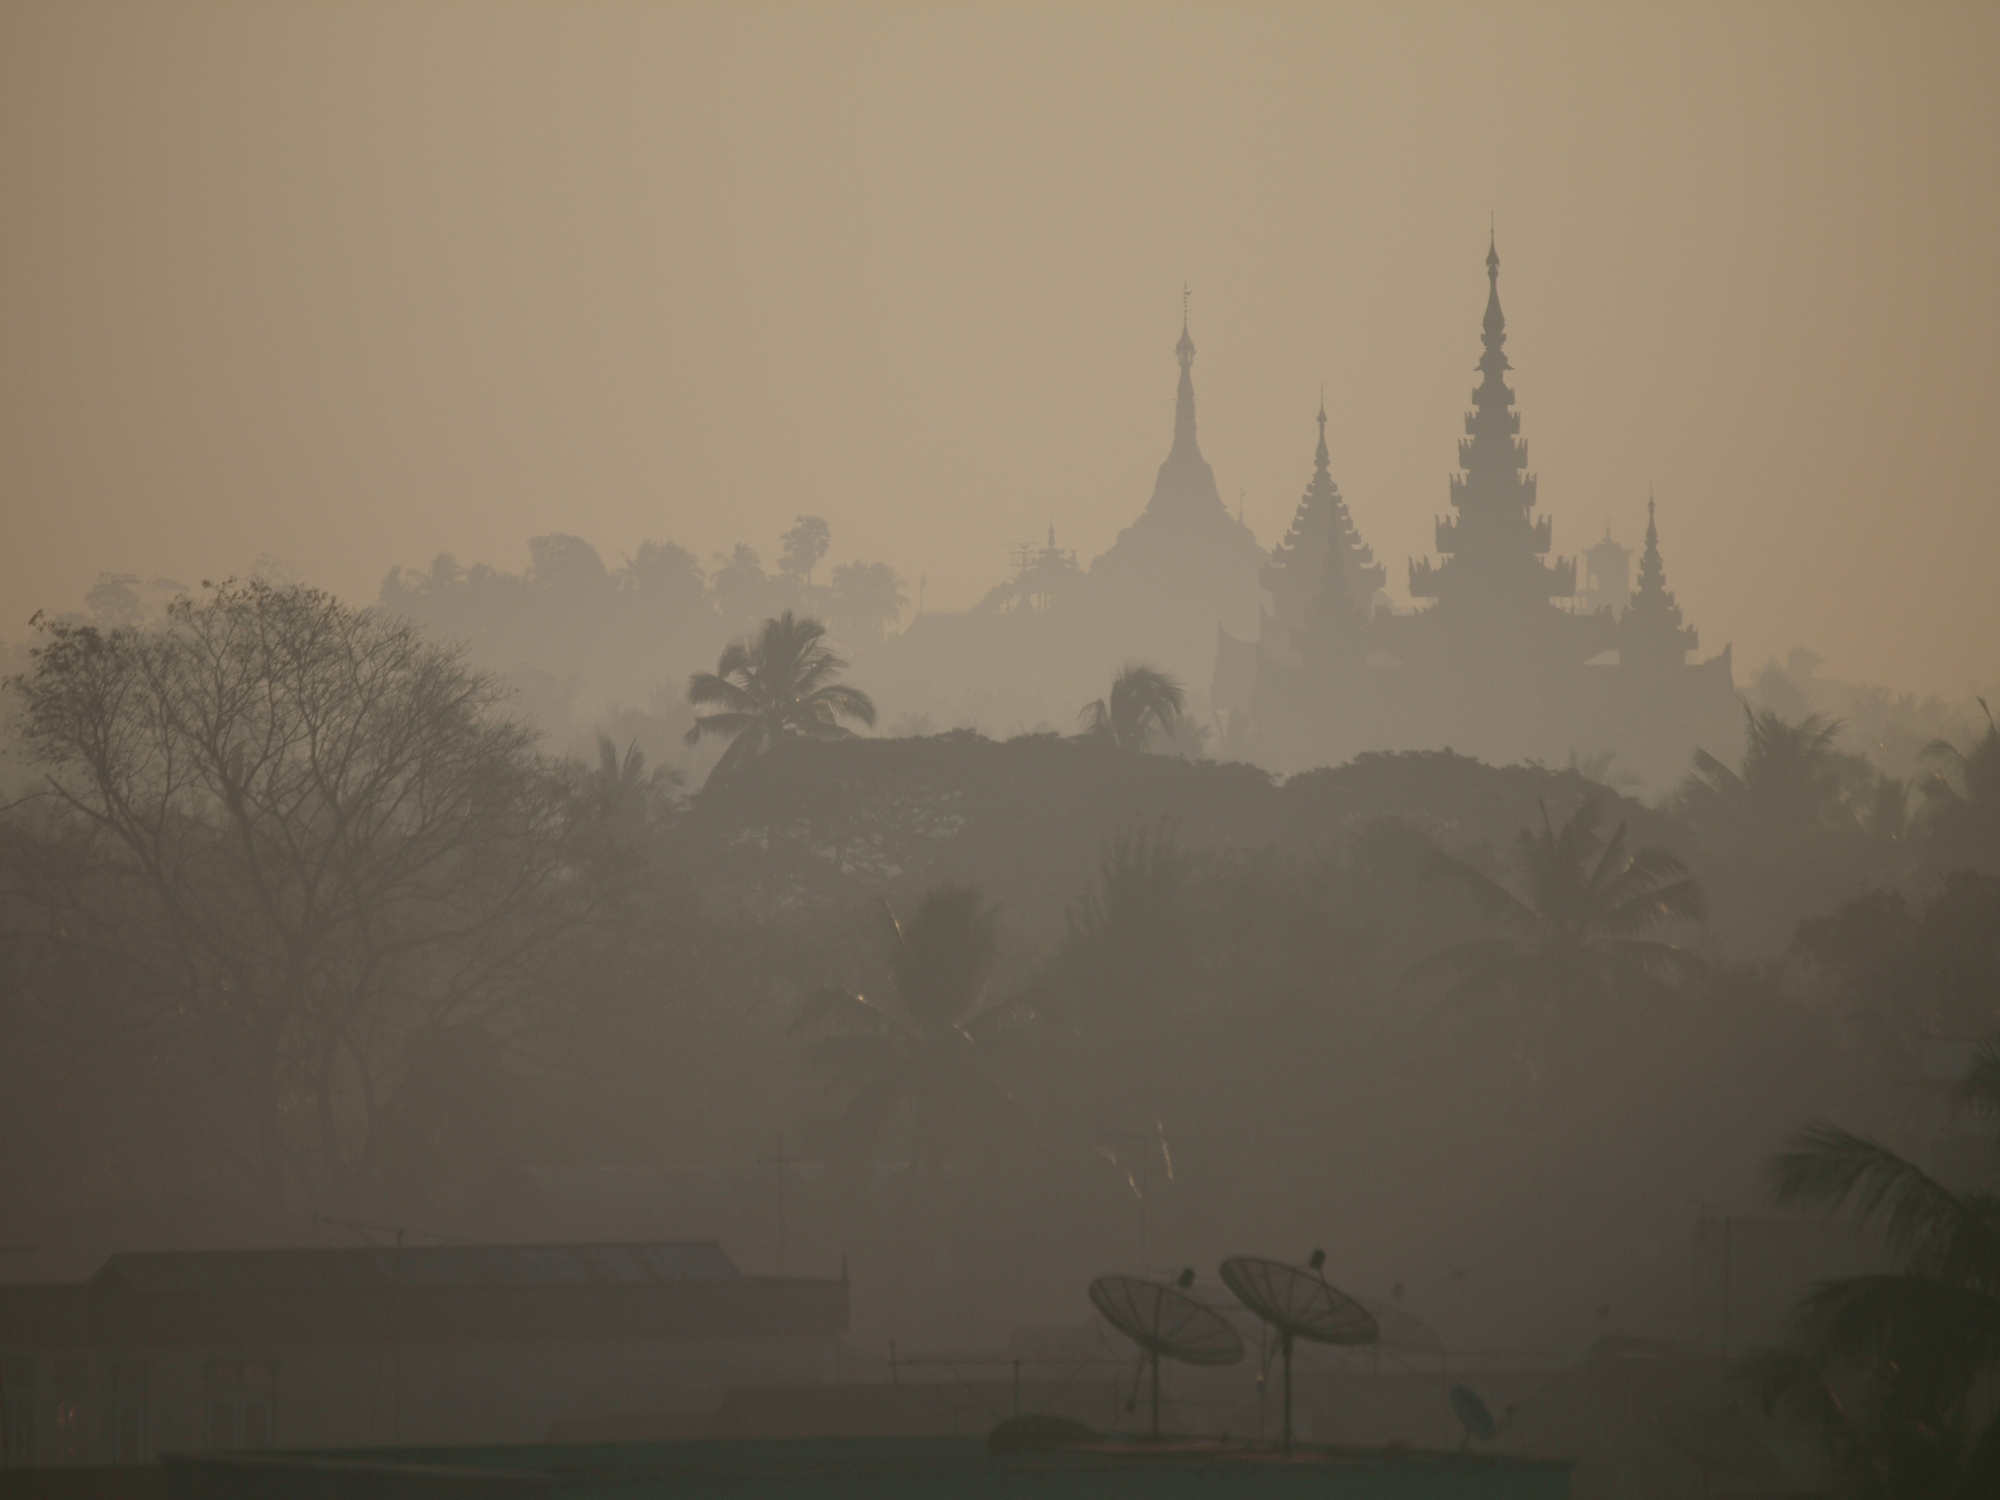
x=465, y=1343
x=895, y=1467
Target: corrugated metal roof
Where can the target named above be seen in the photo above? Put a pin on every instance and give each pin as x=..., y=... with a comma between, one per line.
x=629, y=1264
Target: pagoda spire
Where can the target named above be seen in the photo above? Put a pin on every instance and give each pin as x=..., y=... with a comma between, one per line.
x=1495, y=550
x=1322, y=577
x=1651, y=633
x=1495, y=335
x=1184, y=439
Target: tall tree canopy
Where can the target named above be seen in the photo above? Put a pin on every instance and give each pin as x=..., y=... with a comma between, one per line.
x=1576, y=923
x=777, y=682
x=313, y=829
x=921, y=1046
x=1897, y=1368
x=1143, y=702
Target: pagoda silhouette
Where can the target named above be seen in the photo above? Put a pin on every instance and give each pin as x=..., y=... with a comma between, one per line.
x=1185, y=564
x=1050, y=637
x=1502, y=657
x=1305, y=661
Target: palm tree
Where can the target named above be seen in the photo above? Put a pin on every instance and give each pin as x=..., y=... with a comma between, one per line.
x=1574, y=932
x=1124, y=951
x=1144, y=701
x=1962, y=795
x=867, y=600
x=778, y=682
x=1897, y=1369
x=924, y=1045
x=620, y=791
x=1790, y=779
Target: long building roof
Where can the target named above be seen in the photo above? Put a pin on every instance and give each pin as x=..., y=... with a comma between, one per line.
x=647, y=1290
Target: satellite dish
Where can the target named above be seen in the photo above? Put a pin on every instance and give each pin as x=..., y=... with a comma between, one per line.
x=1298, y=1303
x=1401, y=1332
x=1472, y=1415
x=1166, y=1323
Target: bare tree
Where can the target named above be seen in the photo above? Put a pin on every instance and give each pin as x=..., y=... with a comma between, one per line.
x=316, y=833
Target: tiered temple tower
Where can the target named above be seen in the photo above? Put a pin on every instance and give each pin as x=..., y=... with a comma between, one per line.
x=1496, y=584
x=1322, y=578
x=1650, y=634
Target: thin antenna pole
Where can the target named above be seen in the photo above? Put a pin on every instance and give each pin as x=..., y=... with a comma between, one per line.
x=1285, y=1341
x=396, y=1333
x=1156, y=1395
x=1145, y=1188
x=1725, y=1284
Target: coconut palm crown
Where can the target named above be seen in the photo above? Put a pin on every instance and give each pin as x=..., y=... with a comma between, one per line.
x=1790, y=780
x=921, y=1046
x=775, y=683
x=1962, y=791
x=1899, y=1370
x=1144, y=701
x=1575, y=926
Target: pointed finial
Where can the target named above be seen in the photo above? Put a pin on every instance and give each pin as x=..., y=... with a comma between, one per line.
x=1492, y=250
x=1322, y=409
x=1184, y=350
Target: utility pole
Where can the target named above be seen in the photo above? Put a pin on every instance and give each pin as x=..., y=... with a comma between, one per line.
x=395, y=1296
x=779, y=1163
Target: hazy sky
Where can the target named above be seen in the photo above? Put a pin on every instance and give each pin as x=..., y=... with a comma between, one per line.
x=357, y=284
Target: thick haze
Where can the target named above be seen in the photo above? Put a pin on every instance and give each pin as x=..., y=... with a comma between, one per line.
x=353, y=286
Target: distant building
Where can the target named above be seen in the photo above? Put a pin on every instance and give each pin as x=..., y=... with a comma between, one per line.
x=1498, y=592
x=1607, y=575
x=333, y=1348
x=1506, y=658
x=1047, y=640
x=1322, y=578
x=1185, y=564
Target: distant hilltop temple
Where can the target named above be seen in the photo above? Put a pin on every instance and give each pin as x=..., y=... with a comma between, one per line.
x=1049, y=639
x=1185, y=550
x=1505, y=656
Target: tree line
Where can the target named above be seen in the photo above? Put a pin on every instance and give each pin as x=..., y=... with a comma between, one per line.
x=299, y=915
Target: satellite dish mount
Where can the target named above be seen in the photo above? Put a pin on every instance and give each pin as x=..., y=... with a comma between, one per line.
x=1298, y=1303
x=1165, y=1320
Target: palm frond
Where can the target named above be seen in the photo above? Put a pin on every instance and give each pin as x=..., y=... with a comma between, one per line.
x=1611, y=863
x=1978, y=1473
x=1493, y=899
x=1644, y=905
x=1008, y=1013
x=1796, y=1387
x=1940, y=1335
x=705, y=688
x=1918, y=1217
x=831, y=1005
x=845, y=701
x=1979, y=1090
x=1470, y=970
x=727, y=723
